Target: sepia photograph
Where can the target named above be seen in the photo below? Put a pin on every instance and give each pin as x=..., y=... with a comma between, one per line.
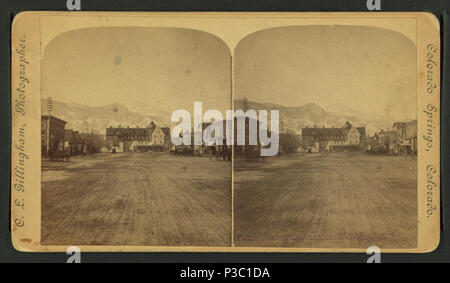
x=110, y=172
x=225, y=132
x=346, y=170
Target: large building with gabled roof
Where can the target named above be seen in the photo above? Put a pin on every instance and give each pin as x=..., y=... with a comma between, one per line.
x=322, y=138
x=150, y=138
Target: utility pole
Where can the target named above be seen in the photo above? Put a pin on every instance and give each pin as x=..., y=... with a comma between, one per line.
x=245, y=104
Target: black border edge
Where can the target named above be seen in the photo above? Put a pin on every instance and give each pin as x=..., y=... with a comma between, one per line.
x=9, y=10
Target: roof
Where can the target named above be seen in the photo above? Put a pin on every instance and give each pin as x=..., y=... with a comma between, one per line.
x=53, y=118
x=330, y=131
x=152, y=125
x=127, y=131
x=166, y=131
x=399, y=124
x=412, y=123
x=324, y=131
x=348, y=125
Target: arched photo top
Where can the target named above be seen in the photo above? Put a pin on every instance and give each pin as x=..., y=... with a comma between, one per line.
x=264, y=33
x=156, y=69
x=357, y=68
x=186, y=33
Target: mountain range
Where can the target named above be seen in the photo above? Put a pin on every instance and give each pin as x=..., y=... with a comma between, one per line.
x=292, y=118
x=96, y=119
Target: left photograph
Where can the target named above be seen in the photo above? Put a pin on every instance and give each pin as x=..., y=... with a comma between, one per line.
x=110, y=174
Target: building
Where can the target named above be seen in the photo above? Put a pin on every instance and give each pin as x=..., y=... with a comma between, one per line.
x=167, y=138
x=158, y=137
x=127, y=139
x=384, y=141
x=402, y=139
x=52, y=135
x=348, y=138
x=93, y=143
x=410, y=136
x=79, y=143
x=151, y=138
x=69, y=141
x=372, y=143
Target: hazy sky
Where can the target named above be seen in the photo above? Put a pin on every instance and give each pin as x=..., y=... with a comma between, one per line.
x=160, y=69
x=367, y=69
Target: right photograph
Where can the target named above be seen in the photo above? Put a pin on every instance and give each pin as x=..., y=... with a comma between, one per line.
x=345, y=175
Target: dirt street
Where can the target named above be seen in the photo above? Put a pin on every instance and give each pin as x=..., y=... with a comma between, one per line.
x=347, y=200
x=136, y=199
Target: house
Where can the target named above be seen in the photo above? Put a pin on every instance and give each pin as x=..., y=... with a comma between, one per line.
x=348, y=137
x=52, y=135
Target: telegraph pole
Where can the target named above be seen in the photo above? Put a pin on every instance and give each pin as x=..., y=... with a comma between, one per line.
x=49, y=110
x=245, y=104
